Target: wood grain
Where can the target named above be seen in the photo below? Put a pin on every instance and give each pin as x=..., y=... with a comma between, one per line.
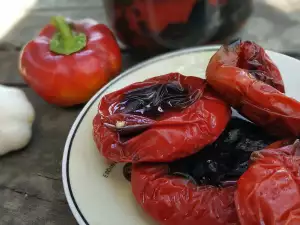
x=19, y=208
x=9, y=73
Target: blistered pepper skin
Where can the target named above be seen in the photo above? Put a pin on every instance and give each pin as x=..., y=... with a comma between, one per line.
x=177, y=201
x=261, y=100
x=174, y=135
x=269, y=191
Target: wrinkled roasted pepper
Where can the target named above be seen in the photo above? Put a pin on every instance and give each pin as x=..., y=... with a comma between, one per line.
x=247, y=79
x=69, y=61
x=172, y=200
x=269, y=191
x=160, y=119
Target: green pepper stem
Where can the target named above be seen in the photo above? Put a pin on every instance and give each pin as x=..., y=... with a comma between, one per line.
x=65, y=41
x=64, y=29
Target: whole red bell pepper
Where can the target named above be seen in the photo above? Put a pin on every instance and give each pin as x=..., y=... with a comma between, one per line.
x=69, y=61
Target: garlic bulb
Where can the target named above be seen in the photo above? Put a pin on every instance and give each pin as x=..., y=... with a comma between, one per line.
x=16, y=118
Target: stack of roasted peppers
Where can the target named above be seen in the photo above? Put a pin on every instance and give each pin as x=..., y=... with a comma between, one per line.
x=193, y=161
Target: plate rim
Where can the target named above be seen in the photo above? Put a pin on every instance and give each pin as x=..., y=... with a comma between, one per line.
x=75, y=209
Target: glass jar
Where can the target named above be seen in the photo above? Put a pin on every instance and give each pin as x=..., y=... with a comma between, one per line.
x=154, y=26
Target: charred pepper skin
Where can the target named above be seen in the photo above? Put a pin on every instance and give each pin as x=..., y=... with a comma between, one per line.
x=226, y=159
x=67, y=63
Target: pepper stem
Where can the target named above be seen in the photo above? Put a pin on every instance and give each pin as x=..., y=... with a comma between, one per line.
x=65, y=41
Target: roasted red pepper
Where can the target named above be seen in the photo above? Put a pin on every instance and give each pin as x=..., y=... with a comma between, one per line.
x=269, y=191
x=248, y=57
x=67, y=63
x=199, y=189
x=173, y=116
x=249, y=81
x=178, y=201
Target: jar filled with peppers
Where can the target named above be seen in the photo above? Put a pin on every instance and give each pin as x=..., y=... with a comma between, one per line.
x=154, y=26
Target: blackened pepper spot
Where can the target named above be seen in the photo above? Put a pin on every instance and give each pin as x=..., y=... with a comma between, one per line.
x=227, y=158
x=127, y=171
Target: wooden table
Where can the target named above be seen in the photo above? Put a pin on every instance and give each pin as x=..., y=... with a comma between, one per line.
x=31, y=191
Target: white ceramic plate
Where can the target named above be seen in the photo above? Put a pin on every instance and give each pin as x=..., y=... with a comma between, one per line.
x=97, y=192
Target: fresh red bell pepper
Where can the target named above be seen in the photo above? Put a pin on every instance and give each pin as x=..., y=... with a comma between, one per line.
x=250, y=82
x=68, y=62
x=177, y=201
x=269, y=191
x=168, y=134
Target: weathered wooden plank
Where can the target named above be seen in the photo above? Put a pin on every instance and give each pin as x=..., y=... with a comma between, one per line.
x=17, y=208
x=9, y=73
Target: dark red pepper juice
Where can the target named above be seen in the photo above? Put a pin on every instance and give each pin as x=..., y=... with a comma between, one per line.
x=154, y=26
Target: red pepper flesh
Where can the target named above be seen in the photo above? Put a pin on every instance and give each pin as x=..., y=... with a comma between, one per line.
x=70, y=76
